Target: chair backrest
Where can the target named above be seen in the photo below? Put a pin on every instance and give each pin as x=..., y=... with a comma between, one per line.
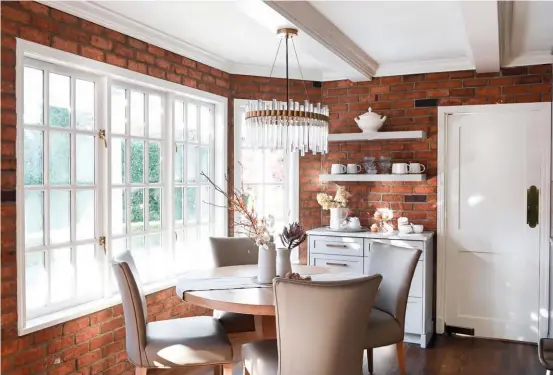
x=321, y=326
x=233, y=251
x=397, y=266
x=134, y=307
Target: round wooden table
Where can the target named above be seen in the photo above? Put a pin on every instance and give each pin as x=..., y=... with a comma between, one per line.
x=254, y=301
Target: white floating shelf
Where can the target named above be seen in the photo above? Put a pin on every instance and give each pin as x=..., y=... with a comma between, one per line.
x=371, y=177
x=413, y=134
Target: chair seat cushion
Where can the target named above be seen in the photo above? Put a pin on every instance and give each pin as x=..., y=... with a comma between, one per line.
x=383, y=330
x=235, y=323
x=261, y=357
x=198, y=340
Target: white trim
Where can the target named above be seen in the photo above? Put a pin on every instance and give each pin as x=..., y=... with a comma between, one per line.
x=371, y=177
x=443, y=112
x=535, y=58
x=370, y=136
x=107, y=74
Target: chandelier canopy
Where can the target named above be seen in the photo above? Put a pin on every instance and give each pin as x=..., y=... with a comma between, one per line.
x=287, y=125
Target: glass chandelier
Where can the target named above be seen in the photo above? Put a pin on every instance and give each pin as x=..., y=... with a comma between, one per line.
x=289, y=125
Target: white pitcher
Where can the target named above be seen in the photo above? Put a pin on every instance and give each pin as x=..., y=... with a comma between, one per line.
x=337, y=216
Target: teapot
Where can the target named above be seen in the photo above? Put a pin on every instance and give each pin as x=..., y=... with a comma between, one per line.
x=370, y=121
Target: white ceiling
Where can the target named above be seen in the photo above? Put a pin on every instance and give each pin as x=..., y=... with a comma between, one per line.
x=338, y=39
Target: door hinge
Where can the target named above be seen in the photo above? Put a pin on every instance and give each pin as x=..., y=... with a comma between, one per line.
x=102, y=242
x=102, y=136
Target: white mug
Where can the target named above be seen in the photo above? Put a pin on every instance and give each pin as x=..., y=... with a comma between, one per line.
x=416, y=168
x=338, y=169
x=353, y=168
x=400, y=168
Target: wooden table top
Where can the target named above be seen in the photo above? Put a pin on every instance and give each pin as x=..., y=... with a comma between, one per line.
x=255, y=301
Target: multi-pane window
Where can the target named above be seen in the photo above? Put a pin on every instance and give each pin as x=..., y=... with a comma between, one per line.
x=266, y=175
x=108, y=166
x=136, y=178
x=60, y=187
x=193, y=195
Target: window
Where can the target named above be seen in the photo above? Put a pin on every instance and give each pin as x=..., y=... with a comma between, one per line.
x=193, y=144
x=269, y=177
x=60, y=189
x=109, y=165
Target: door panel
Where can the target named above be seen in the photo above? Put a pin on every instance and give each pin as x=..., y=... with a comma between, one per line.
x=492, y=255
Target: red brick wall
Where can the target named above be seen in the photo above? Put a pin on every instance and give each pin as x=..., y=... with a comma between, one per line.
x=93, y=344
x=395, y=97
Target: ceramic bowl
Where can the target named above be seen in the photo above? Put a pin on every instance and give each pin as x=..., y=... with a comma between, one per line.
x=418, y=228
x=405, y=229
x=369, y=124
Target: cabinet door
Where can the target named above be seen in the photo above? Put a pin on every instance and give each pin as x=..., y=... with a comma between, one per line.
x=370, y=243
x=338, y=263
x=413, y=316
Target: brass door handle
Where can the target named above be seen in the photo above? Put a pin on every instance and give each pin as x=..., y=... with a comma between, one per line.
x=532, y=206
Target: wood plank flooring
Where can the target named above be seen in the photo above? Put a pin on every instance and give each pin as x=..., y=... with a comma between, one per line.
x=448, y=356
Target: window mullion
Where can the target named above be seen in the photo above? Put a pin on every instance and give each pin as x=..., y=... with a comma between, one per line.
x=72, y=180
x=103, y=180
x=128, y=191
x=167, y=154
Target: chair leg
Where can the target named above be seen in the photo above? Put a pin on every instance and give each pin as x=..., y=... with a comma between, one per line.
x=400, y=358
x=140, y=371
x=370, y=360
x=227, y=369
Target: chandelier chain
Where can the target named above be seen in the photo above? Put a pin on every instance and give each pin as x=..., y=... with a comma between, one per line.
x=272, y=68
x=299, y=67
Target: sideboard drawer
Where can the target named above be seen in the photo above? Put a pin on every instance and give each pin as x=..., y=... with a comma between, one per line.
x=336, y=245
x=345, y=264
x=416, y=284
x=413, y=316
x=401, y=243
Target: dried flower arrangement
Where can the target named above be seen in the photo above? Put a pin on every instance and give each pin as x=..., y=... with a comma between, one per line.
x=340, y=200
x=258, y=229
x=293, y=235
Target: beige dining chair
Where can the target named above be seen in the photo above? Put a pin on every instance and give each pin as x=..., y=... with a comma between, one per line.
x=317, y=329
x=174, y=343
x=234, y=251
x=387, y=322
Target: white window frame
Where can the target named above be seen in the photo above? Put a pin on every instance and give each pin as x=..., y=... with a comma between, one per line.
x=109, y=73
x=291, y=166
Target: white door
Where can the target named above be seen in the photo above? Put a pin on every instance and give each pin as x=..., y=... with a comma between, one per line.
x=493, y=155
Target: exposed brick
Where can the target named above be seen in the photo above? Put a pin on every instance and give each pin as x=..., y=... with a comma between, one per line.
x=116, y=60
x=135, y=43
x=65, y=45
x=92, y=53
x=101, y=43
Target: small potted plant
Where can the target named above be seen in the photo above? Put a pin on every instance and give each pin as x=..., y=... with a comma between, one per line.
x=292, y=236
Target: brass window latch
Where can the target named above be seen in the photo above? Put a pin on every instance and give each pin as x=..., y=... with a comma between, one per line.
x=102, y=135
x=102, y=242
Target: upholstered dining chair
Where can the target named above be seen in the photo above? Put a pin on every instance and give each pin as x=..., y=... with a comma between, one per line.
x=317, y=328
x=174, y=343
x=234, y=251
x=387, y=321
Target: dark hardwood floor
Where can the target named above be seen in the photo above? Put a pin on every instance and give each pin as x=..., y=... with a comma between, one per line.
x=447, y=356
x=462, y=355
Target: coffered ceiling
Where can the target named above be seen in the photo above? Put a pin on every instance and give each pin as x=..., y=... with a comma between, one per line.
x=338, y=39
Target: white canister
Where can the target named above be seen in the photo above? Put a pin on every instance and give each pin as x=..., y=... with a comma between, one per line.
x=266, y=264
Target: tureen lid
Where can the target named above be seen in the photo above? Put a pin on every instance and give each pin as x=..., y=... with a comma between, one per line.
x=370, y=113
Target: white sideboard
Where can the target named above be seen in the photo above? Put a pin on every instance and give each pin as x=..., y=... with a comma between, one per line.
x=350, y=253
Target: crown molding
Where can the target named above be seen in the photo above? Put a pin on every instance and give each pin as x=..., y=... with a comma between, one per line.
x=96, y=13
x=308, y=19
x=535, y=58
x=428, y=66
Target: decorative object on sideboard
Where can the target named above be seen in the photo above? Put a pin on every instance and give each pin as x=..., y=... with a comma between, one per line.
x=292, y=236
x=337, y=206
x=287, y=125
x=261, y=230
x=297, y=276
x=406, y=227
x=369, y=121
x=383, y=221
x=385, y=164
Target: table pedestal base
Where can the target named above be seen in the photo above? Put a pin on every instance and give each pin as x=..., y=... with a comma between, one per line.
x=265, y=326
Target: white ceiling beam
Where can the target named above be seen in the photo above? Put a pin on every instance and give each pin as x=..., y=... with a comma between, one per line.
x=482, y=28
x=313, y=23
